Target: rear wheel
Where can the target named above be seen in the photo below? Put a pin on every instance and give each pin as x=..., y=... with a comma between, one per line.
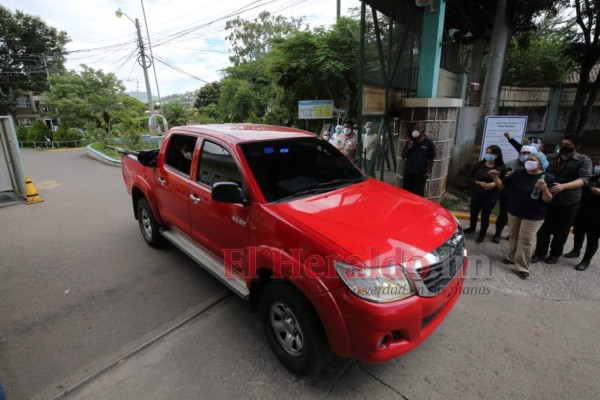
x=293, y=329
x=148, y=225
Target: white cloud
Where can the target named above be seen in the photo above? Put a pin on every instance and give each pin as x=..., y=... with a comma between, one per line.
x=199, y=52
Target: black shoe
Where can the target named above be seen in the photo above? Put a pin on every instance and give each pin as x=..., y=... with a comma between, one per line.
x=507, y=261
x=572, y=254
x=496, y=239
x=551, y=259
x=522, y=274
x=469, y=230
x=535, y=258
x=582, y=265
x=479, y=239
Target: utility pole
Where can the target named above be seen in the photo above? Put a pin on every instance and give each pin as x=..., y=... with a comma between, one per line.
x=145, y=67
x=339, y=6
x=152, y=58
x=491, y=86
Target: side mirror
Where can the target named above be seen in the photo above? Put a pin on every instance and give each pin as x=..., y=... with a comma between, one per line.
x=229, y=192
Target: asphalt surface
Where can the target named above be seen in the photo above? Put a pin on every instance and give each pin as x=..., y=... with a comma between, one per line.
x=88, y=311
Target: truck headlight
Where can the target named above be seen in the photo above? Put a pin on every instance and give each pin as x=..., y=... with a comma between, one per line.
x=377, y=284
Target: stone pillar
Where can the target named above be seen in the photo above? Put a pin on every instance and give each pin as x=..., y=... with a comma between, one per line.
x=439, y=117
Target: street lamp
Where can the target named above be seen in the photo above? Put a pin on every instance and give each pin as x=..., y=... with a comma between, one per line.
x=142, y=60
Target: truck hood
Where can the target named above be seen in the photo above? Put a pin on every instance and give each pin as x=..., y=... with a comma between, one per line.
x=373, y=221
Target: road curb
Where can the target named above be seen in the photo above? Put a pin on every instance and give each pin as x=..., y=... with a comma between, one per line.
x=467, y=216
x=96, y=155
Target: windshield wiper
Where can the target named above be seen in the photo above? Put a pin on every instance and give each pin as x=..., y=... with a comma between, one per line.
x=322, y=187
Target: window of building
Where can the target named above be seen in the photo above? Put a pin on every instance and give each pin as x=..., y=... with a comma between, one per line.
x=23, y=102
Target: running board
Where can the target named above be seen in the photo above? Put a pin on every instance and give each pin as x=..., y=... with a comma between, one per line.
x=206, y=260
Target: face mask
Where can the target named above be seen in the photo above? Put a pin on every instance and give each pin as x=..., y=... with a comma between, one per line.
x=347, y=131
x=369, y=130
x=531, y=165
x=523, y=158
x=564, y=150
x=537, y=145
x=415, y=134
x=489, y=157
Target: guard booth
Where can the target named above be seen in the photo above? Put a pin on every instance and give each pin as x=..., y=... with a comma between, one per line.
x=12, y=177
x=401, y=83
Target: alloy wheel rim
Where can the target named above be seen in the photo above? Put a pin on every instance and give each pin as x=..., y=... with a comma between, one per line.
x=146, y=225
x=286, y=328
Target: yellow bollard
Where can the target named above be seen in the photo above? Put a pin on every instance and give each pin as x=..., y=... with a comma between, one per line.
x=32, y=194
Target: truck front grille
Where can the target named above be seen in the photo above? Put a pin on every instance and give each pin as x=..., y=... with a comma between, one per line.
x=442, y=266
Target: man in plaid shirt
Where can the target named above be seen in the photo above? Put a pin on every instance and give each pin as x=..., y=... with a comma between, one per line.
x=572, y=171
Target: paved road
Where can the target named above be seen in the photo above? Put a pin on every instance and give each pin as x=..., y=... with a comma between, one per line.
x=85, y=303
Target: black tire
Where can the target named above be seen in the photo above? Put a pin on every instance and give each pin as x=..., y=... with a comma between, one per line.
x=307, y=350
x=148, y=225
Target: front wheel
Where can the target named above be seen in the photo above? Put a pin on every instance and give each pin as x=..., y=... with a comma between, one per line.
x=293, y=329
x=148, y=225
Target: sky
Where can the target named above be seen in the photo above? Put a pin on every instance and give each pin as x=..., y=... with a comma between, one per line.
x=187, y=35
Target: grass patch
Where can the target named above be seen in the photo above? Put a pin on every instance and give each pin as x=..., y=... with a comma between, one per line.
x=107, y=151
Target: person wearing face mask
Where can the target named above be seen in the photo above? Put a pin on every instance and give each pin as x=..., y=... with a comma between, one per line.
x=484, y=193
x=369, y=145
x=511, y=166
x=525, y=213
x=572, y=171
x=418, y=154
x=346, y=141
x=336, y=133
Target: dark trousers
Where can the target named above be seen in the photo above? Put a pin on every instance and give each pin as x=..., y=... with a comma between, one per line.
x=587, y=226
x=502, y=213
x=557, y=223
x=483, y=202
x=414, y=184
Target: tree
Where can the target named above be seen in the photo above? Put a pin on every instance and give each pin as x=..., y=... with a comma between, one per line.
x=539, y=61
x=320, y=64
x=207, y=94
x=175, y=114
x=38, y=132
x=251, y=39
x=90, y=96
x=584, y=48
x=28, y=49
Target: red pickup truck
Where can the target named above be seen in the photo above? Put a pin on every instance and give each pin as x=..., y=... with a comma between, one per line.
x=335, y=262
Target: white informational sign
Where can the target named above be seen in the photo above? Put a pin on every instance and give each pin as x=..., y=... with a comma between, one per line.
x=493, y=133
x=315, y=109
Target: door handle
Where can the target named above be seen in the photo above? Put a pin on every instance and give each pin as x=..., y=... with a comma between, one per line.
x=161, y=181
x=195, y=199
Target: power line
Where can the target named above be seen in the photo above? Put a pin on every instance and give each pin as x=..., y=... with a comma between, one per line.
x=178, y=69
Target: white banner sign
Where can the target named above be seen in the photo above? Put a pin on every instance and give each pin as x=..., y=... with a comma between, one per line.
x=493, y=133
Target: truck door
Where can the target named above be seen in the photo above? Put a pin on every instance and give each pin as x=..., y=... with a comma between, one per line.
x=173, y=181
x=218, y=226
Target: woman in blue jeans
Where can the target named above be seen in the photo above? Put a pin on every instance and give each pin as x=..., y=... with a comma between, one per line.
x=484, y=193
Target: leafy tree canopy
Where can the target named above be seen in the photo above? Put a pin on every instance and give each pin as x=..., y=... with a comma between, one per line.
x=250, y=39
x=28, y=48
x=207, y=94
x=89, y=96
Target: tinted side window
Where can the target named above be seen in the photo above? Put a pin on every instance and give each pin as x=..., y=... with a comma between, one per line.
x=180, y=151
x=217, y=165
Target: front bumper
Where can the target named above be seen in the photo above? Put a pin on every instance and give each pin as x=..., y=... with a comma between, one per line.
x=378, y=332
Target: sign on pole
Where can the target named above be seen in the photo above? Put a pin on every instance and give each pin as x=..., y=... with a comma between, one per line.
x=315, y=109
x=493, y=133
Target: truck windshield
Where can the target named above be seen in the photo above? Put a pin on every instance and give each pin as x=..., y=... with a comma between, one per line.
x=292, y=168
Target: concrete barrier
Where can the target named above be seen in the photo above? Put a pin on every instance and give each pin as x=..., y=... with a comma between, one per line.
x=95, y=154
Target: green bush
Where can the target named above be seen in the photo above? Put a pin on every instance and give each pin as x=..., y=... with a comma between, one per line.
x=67, y=137
x=22, y=133
x=38, y=132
